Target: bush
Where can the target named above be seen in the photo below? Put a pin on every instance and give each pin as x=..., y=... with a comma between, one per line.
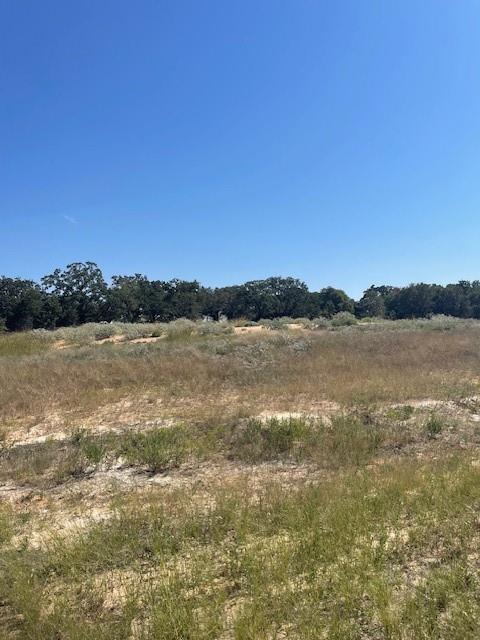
x=85, y=333
x=320, y=323
x=343, y=319
x=244, y=322
x=181, y=328
x=214, y=328
x=372, y=319
x=350, y=441
x=403, y=412
x=132, y=331
x=306, y=323
x=91, y=449
x=442, y=322
x=276, y=323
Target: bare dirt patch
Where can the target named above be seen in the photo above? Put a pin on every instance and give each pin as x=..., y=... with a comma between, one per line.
x=148, y=340
x=247, y=330
x=60, y=344
x=111, y=339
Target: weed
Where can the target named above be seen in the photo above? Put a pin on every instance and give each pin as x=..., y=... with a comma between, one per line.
x=260, y=441
x=346, y=442
x=434, y=425
x=158, y=450
x=400, y=413
x=93, y=449
x=6, y=524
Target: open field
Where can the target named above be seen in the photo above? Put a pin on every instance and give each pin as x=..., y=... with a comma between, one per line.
x=280, y=480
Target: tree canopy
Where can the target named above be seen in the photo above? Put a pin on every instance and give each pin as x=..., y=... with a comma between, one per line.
x=79, y=294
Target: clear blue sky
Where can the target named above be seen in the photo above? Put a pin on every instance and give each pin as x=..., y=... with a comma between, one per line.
x=336, y=141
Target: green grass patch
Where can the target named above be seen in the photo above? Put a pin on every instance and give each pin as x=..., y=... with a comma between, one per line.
x=159, y=449
x=400, y=413
x=382, y=553
x=259, y=441
x=346, y=441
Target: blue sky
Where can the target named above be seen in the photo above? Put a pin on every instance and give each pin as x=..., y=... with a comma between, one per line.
x=336, y=141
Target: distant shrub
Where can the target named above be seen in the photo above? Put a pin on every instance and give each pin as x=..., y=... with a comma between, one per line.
x=306, y=323
x=244, y=322
x=6, y=520
x=133, y=331
x=276, y=323
x=350, y=441
x=435, y=323
x=285, y=321
x=343, y=319
x=92, y=449
x=180, y=328
x=85, y=333
x=320, y=323
x=302, y=323
x=214, y=328
x=300, y=345
x=101, y=331
x=441, y=322
x=266, y=322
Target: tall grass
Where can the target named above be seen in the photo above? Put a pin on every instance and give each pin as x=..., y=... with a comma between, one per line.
x=24, y=343
x=192, y=376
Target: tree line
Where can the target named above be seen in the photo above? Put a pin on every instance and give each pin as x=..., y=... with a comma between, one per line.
x=79, y=294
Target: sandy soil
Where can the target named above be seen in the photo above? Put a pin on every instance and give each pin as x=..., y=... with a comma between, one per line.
x=83, y=500
x=255, y=329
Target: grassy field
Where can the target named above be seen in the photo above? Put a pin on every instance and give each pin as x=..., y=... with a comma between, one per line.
x=283, y=480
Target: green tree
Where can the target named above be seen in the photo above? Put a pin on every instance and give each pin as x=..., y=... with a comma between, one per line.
x=330, y=301
x=185, y=299
x=21, y=304
x=81, y=292
x=269, y=298
x=374, y=302
x=129, y=298
x=414, y=301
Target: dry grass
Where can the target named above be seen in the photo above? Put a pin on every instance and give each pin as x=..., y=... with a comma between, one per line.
x=191, y=376
x=357, y=519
